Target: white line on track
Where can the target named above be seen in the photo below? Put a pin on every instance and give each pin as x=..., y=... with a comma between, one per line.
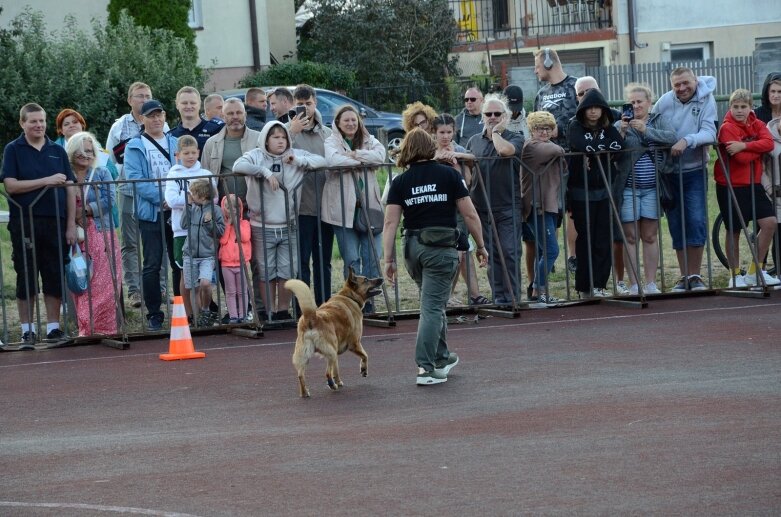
x=451, y=329
x=96, y=507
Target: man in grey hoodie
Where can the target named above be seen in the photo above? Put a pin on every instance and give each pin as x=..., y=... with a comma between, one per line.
x=470, y=121
x=690, y=109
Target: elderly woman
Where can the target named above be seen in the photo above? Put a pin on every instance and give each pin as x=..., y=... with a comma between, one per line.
x=350, y=193
x=96, y=309
x=430, y=237
x=647, y=135
x=498, y=196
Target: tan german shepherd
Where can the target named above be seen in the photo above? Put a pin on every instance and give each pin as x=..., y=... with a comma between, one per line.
x=332, y=328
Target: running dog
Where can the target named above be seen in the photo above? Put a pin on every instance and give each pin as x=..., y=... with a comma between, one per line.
x=332, y=328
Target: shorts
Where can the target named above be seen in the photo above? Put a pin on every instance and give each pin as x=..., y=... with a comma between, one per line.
x=197, y=269
x=178, y=253
x=527, y=232
x=647, y=206
x=275, y=252
x=51, y=253
x=761, y=205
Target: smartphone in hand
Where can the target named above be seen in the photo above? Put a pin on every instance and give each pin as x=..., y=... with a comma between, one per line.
x=627, y=111
x=300, y=110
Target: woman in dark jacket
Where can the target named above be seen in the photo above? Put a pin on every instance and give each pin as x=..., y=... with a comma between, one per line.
x=592, y=171
x=771, y=98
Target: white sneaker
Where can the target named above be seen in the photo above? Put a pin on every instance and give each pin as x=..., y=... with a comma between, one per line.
x=739, y=281
x=751, y=279
x=600, y=293
x=633, y=290
x=621, y=288
x=651, y=288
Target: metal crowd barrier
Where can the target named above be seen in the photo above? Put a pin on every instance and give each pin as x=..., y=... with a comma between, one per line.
x=130, y=322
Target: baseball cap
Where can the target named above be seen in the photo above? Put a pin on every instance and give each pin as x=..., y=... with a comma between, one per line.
x=514, y=96
x=151, y=106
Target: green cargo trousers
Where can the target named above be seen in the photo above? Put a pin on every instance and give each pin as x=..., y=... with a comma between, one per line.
x=432, y=268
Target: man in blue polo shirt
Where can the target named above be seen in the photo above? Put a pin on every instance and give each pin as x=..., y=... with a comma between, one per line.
x=31, y=163
x=188, y=103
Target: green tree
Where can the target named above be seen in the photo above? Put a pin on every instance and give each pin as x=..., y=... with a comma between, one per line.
x=318, y=75
x=89, y=73
x=157, y=14
x=401, y=44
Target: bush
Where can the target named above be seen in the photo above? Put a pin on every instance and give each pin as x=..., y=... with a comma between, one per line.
x=89, y=73
x=317, y=75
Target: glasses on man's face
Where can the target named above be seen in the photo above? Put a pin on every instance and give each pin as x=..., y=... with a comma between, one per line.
x=470, y=99
x=543, y=129
x=495, y=114
x=584, y=92
x=141, y=96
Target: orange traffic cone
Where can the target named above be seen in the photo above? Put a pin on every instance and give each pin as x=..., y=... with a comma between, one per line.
x=181, y=346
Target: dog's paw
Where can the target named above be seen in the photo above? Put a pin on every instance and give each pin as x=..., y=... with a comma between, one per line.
x=332, y=384
x=305, y=395
x=364, y=372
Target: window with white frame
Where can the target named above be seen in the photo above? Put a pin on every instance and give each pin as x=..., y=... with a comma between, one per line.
x=195, y=16
x=690, y=52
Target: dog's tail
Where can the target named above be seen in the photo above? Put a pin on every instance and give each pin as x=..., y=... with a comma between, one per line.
x=305, y=298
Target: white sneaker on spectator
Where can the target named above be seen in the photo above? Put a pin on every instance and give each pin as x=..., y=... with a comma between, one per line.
x=621, y=288
x=633, y=290
x=751, y=279
x=651, y=288
x=600, y=293
x=738, y=281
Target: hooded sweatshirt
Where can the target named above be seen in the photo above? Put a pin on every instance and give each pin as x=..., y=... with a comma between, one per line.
x=584, y=139
x=772, y=177
x=695, y=121
x=176, y=186
x=466, y=126
x=260, y=164
x=765, y=111
x=755, y=134
x=229, y=242
x=203, y=224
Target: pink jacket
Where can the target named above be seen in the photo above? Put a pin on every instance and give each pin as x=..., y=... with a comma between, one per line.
x=229, y=243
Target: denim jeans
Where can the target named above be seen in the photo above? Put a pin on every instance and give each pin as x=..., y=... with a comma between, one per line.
x=544, y=229
x=692, y=217
x=356, y=250
x=152, y=247
x=311, y=245
x=432, y=269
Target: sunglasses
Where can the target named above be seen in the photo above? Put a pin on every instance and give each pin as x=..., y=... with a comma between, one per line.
x=495, y=114
x=470, y=99
x=584, y=92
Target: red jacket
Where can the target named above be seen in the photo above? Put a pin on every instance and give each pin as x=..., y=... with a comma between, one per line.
x=229, y=246
x=758, y=140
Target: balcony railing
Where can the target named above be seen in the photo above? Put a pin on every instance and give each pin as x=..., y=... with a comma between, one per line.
x=479, y=20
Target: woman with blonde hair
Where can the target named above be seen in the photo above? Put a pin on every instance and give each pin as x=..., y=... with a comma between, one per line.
x=96, y=308
x=419, y=115
x=352, y=191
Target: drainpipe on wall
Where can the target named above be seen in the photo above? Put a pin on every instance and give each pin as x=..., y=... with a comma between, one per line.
x=253, y=16
x=631, y=19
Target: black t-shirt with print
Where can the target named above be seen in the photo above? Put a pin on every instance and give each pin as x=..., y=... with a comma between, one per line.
x=561, y=101
x=427, y=193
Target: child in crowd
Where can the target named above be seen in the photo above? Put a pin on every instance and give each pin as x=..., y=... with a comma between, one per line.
x=450, y=153
x=176, y=186
x=271, y=213
x=588, y=188
x=743, y=139
x=203, y=223
x=543, y=167
x=235, y=253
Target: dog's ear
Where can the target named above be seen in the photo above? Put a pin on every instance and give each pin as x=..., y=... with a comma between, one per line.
x=351, y=275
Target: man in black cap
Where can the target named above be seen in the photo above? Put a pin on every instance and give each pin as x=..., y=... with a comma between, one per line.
x=517, y=121
x=150, y=156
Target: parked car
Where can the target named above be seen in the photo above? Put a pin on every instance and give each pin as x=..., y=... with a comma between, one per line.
x=328, y=102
